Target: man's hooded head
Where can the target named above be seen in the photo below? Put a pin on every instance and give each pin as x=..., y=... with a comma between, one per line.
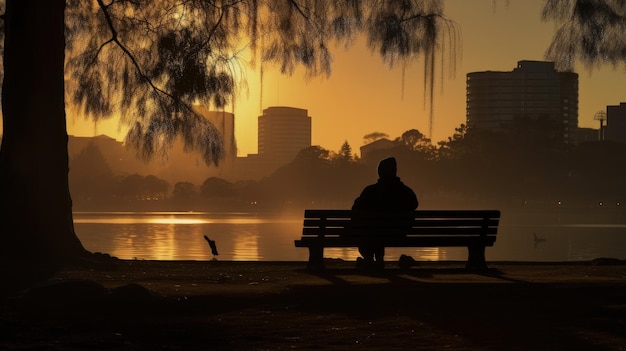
x=387, y=168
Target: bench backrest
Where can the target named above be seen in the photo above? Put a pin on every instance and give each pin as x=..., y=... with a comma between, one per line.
x=334, y=223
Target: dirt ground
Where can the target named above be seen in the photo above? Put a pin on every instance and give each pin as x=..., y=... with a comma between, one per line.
x=215, y=305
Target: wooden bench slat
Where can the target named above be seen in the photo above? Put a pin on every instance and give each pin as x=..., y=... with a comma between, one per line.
x=448, y=222
x=412, y=231
x=423, y=241
x=347, y=214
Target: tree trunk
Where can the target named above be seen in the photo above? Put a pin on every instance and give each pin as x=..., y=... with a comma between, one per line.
x=36, y=223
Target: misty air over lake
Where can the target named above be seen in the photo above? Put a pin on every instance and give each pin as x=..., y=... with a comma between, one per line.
x=560, y=197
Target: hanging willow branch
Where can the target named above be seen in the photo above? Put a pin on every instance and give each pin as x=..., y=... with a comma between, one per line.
x=149, y=61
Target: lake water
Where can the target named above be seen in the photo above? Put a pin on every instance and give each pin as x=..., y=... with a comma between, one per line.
x=254, y=237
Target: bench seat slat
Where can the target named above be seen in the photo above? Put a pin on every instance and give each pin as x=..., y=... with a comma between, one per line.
x=448, y=222
x=422, y=241
x=347, y=214
x=413, y=231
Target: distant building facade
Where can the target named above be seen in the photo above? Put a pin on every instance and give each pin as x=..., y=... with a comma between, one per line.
x=368, y=150
x=534, y=90
x=282, y=133
x=586, y=135
x=615, y=129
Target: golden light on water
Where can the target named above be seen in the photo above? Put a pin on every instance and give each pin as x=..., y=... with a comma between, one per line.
x=165, y=246
x=182, y=218
x=393, y=253
x=431, y=254
x=131, y=219
x=177, y=221
x=246, y=247
x=157, y=236
x=157, y=243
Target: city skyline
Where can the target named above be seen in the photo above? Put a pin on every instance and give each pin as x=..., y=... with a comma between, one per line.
x=350, y=103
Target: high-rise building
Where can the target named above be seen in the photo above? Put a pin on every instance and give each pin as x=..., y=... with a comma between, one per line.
x=283, y=133
x=615, y=129
x=534, y=90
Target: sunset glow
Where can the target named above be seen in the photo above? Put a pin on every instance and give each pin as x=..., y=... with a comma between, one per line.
x=363, y=95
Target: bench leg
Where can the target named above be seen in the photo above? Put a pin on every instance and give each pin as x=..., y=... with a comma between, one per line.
x=316, y=257
x=476, y=257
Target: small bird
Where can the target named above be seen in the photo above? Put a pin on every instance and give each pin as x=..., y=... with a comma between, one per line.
x=212, y=245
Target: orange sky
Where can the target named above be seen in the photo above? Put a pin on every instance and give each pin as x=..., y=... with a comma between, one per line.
x=363, y=95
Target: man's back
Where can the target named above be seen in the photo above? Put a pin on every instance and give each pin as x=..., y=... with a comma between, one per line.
x=387, y=195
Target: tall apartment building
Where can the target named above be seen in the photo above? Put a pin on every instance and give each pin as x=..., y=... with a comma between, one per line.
x=283, y=133
x=615, y=129
x=533, y=90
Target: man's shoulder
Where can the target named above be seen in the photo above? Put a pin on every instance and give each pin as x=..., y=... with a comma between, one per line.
x=372, y=187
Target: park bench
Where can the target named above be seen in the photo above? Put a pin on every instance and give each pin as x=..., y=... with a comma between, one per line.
x=474, y=229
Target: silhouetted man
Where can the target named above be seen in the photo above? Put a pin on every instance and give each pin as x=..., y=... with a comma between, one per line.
x=392, y=200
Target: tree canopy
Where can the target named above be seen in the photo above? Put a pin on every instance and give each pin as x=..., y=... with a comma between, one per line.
x=150, y=61
x=591, y=32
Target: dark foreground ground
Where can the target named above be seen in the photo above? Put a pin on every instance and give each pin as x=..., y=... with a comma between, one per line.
x=165, y=305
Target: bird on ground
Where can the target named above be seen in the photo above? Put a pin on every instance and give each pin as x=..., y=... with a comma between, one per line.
x=212, y=245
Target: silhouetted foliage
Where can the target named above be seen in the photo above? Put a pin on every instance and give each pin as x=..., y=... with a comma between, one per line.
x=314, y=153
x=90, y=178
x=371, y=137
x=184, y=191
x=414, y=140
x=590, y=31
x=450, y=149
x=153, y=64
x=344, y=155
x=217, y=188
x=138, y=187
x=312, y=179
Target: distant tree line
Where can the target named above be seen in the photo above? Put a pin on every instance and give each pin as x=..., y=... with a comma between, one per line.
x=505, y=169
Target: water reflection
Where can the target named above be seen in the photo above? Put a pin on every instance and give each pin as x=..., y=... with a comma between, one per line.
x=246, y=246
x=251, y=237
